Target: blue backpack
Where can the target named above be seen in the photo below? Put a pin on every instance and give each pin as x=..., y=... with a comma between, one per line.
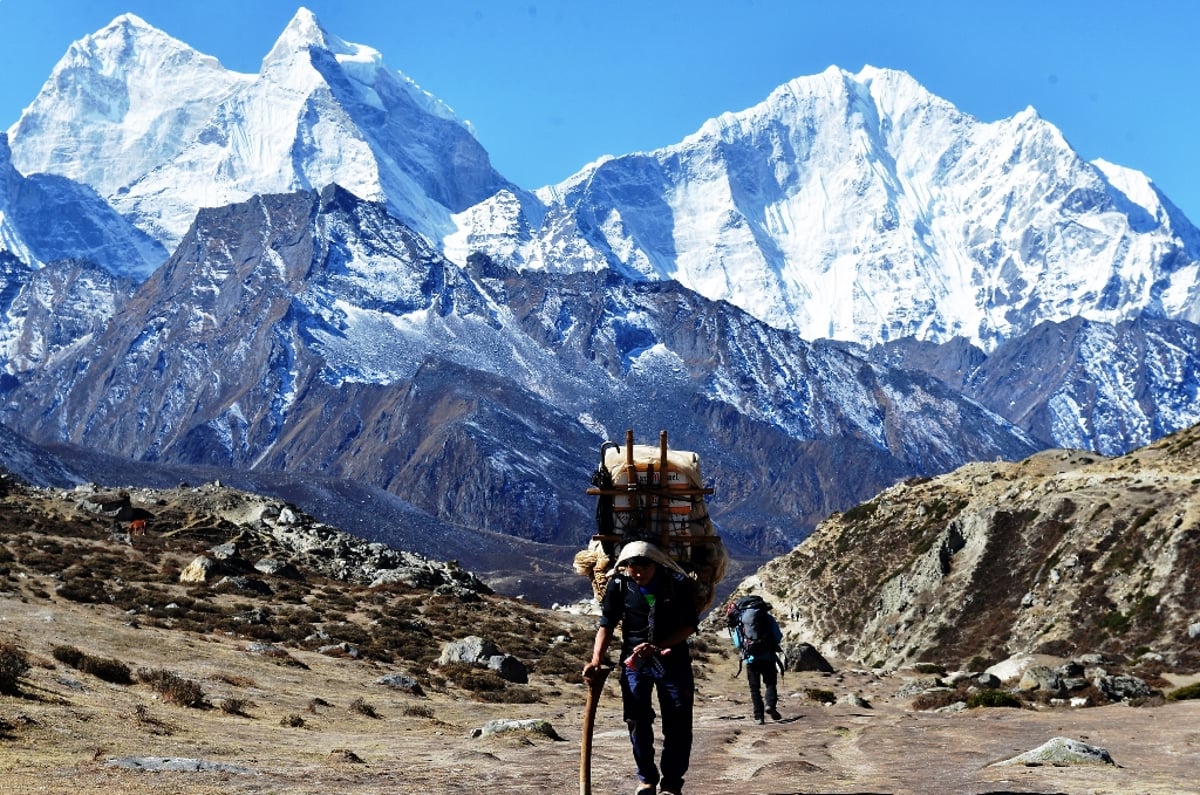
x=750, y=618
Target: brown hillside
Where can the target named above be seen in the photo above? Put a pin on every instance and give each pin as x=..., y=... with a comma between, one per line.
x=117, y=678
x=1065, y=553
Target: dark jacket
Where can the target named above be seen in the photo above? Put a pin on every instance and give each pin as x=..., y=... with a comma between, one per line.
x=674, y=608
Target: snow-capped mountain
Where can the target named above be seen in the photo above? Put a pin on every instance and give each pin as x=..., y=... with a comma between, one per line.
x=161, y=130
x=855, y=207
x=860, y=207
x=45, y=217
x=353, y=292
x=315, y=333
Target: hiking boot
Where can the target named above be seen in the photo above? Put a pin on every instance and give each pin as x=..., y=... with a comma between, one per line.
x=645, y=789
x=759, y=720
x=774, y=713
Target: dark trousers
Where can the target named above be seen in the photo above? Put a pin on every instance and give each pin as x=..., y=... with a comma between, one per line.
x=765, y=671
x=676, y=694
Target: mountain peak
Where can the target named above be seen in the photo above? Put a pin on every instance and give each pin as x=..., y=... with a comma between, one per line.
x=124, y=26
x=305, y=34
x=128, y=36
x=302, y=32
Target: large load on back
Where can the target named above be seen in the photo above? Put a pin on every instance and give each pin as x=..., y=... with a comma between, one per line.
x=654, y=494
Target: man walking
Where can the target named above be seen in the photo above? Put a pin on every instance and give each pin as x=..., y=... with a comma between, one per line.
x=653, y=600
x=757, y=637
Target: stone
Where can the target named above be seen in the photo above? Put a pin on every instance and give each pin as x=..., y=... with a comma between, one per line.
x=199, y=570
x=401, y=682
x=509, y=668
x=1124, y=687
x=1041, y=678
x=526, y=726
x=805, y=657
x=471, y=649
x=1062, y=751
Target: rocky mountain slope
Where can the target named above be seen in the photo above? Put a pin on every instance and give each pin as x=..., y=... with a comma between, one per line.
x=314, y=333
x=459, y=347
x=1063, y=553
x=302, y=659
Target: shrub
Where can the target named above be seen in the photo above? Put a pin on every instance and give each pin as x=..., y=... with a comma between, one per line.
x=109, y=670
x=936, y=699
x=1185, y=693
x=141, y=714
x=237, y=680
x=13, y=665
x=173, y=688
x=992, y=698
x=363, y=708
x=292, y=721
x=83, y=591
x=487, y=685
x=236, y=706
x=419, y=711
x=822, y=696
x=68, y=655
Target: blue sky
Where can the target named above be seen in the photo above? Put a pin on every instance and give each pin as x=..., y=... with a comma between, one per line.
x=550, y=85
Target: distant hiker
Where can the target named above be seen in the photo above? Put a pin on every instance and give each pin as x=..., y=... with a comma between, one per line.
x=757, y=637
x=653, y=600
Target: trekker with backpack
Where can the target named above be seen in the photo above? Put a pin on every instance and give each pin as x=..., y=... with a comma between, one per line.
x=653, y=600
x=757, y=637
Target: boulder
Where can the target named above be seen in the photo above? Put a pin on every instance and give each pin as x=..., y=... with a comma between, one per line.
x=1041, y=678
x=1124, y=687
x=805, y=657
x=509, y=668
x=199, y=570
x=402, y=682
x=1062, y=751
x=471, y=649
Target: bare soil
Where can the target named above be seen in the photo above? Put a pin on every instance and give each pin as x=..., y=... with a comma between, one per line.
x=65, y=730
x=303, y=722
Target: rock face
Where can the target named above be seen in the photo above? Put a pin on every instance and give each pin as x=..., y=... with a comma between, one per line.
x=1063, y=553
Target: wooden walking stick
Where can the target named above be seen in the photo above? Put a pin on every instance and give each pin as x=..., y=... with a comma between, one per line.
x=595, y=684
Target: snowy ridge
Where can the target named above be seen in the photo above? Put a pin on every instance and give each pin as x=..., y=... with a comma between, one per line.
x=168, y=130
x=118, y=104
x=861, y=207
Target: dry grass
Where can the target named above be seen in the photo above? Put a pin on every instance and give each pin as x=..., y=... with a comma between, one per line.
x=236, y=678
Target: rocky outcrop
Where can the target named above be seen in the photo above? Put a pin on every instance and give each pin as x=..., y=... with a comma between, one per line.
x=265, y=537
x=1064, y=553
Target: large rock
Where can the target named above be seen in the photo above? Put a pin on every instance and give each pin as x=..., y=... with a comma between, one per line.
x=471, y=649
x=805, y=657
x=1062, y=751
x=509, y=668
x=1043, y=679
x=200, y=570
